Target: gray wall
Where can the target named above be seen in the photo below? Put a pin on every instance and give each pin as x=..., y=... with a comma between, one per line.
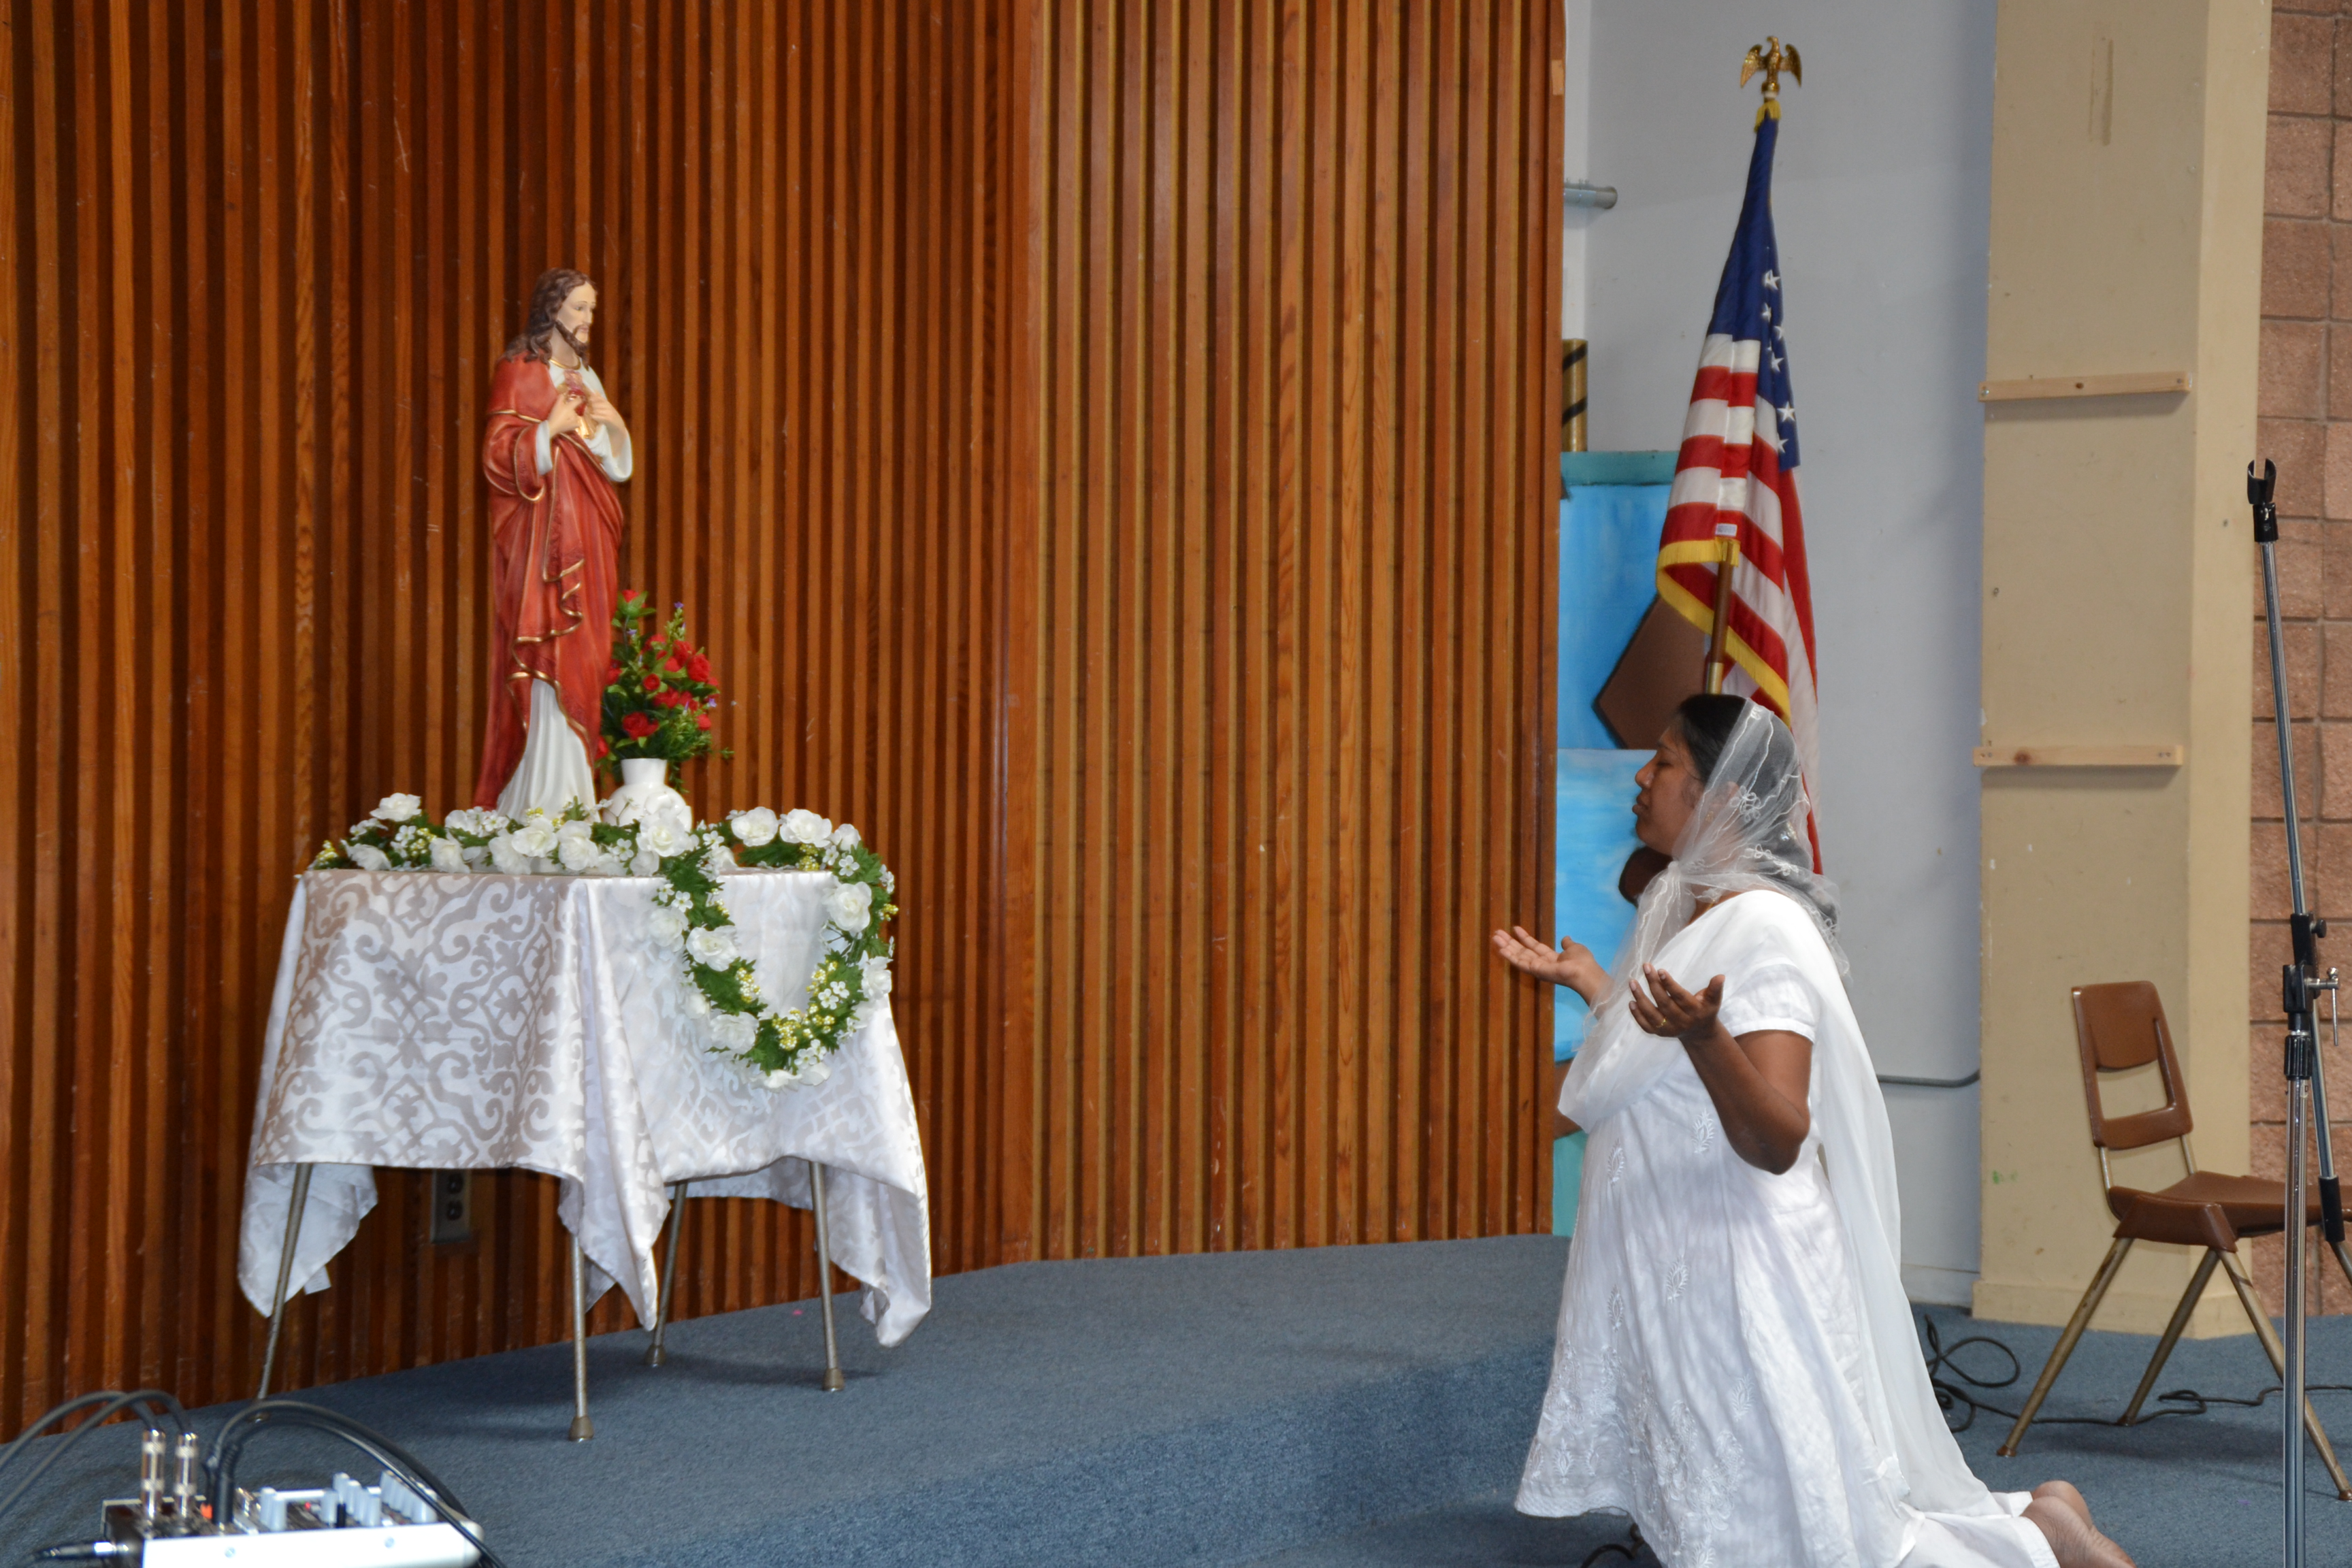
x=1881, y=200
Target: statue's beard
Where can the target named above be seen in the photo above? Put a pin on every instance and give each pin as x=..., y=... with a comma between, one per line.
x=579, y=343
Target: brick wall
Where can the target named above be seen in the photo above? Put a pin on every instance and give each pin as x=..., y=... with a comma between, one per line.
x=2307, y=428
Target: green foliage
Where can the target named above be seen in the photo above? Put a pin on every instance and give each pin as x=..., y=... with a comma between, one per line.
x=785, y=1047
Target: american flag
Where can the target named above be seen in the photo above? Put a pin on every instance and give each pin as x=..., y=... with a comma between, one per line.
x=1736, y=477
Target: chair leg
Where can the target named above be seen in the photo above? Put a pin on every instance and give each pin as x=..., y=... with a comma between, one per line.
x=2066, y=1343
x=2189, y=1300
x=2260, y=1317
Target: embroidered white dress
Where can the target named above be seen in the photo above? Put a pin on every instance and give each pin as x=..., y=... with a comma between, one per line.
x=1723, y=1371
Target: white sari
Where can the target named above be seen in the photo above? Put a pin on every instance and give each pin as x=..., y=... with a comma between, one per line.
x=1737, y=1367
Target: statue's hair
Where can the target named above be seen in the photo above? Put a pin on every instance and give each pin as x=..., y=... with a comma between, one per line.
x=547, y=296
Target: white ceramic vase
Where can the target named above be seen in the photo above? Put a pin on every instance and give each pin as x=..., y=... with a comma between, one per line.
x=645, y=796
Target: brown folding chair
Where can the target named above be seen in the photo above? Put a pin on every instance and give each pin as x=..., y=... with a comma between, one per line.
x=2116, y=1029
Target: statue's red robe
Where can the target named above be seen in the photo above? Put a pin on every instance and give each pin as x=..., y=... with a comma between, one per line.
x=556, y=563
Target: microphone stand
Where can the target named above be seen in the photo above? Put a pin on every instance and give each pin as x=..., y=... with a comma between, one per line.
x=2307, y=1085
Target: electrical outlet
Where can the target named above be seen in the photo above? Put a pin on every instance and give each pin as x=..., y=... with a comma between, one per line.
x=452, y=1219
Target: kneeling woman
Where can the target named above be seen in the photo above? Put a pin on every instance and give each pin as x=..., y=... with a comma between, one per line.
x=1738, y=1368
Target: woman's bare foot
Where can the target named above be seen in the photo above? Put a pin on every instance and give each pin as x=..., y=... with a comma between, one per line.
x=2059, y=1511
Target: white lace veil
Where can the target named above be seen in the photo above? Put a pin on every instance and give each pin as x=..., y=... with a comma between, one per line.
x=1746, y=834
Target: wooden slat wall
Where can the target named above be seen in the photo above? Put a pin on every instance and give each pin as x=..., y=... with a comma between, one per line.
x=256, y=259
x=1107, y=448
x=1287, y=414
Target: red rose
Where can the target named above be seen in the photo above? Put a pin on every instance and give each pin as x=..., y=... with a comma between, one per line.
x=638, y=725
x=670, y=665
x=684, y=650
x=697, y=670
x=612, y=674
x=652, y=683
x=702, y=722
x=601, y=747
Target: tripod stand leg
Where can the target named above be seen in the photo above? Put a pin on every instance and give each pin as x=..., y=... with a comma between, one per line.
x=582, y=1427
x=285, y=1272
x=655, y=1355
x=2261, y=1319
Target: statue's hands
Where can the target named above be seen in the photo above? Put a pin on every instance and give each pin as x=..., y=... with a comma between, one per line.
x=602, y=412
x=565, y=418
x=1668, y=1009
x=1573, y=966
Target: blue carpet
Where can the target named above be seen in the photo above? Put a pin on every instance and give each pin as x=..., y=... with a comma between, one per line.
x=2183, y=1491
x=1205, y=1409
x=1342, y=1406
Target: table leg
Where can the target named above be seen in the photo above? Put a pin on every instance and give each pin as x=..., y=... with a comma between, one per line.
x=834, y=1381
x=582, y=1427
x=285, y=1273
x=653, y=1356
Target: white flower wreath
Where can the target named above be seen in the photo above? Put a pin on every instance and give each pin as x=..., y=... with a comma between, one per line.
x=785, y=1048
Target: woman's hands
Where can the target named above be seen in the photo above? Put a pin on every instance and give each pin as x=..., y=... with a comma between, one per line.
x=1759, y=1081
x=1690, y=1018
x=1573, y=966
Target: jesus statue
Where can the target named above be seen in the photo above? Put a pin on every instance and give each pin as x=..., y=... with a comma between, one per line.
x=553, y=451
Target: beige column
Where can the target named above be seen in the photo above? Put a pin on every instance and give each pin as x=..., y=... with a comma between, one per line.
x=2118, y=561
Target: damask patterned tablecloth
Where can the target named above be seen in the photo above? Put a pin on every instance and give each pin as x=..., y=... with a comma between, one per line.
x=469, y=1022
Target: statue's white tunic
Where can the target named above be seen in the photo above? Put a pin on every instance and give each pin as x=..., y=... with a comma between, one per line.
x=1724, y=1369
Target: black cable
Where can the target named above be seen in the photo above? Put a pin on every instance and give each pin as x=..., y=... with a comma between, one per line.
x=1630, y=1549
x=108, y=1404
x=1952, y=1397
x=228, y=1447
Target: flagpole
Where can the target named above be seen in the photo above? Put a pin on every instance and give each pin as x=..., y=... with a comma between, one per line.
x=1718, y=639
x=1771, y=57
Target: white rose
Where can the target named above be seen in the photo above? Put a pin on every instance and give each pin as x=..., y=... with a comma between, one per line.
x=448, y=854
x=755, y=827
x=577, y=851
x=848, y=904
x=397, y=808
x=697, y=1003
x=534, y=839
x=667, y=925
x=736, y=1031
x=803, y=827
x=816, y=1071
x=506, y=858
x=473, y=855
x=480, y=823
x=782, y=1078
x=877, y=976
x=663, y=838
x=719, y=861
x=647, y=864
x=712, y=949
x=368, y=858
x=845, y=836
x=576, y=827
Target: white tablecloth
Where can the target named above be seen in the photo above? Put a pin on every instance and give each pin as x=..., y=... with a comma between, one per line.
x=469, y=1022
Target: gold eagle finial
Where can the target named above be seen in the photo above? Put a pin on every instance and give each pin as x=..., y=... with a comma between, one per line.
x=1772, y=57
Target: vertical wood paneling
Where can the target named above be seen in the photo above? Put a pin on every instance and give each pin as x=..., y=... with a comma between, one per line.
x=1282, y=431
x=1104, y=444
x=257, y=261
